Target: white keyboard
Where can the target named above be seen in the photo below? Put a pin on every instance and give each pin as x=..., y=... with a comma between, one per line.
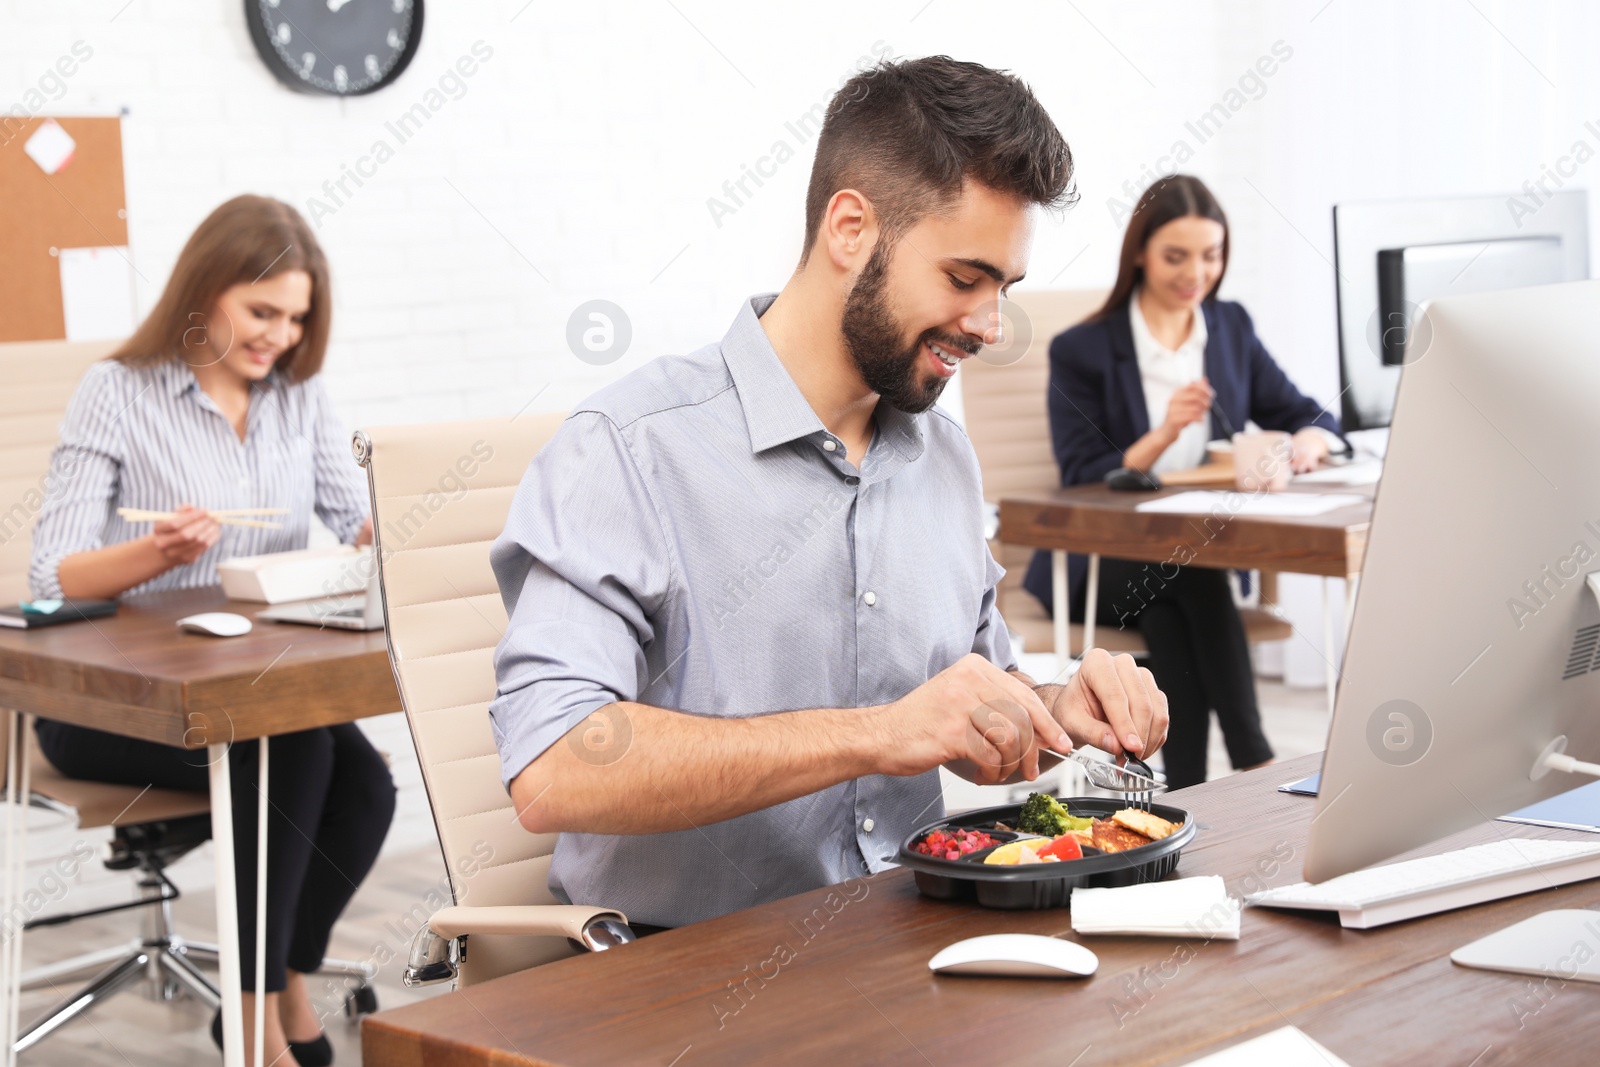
x=1397, y=891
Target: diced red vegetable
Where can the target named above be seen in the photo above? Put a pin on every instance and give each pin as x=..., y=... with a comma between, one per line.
x=953, y=844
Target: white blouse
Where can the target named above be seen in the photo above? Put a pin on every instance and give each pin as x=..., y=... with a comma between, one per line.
x=1163, y=371
x=149, y=437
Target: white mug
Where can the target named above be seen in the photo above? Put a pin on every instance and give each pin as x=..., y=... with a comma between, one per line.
x=1261, y=460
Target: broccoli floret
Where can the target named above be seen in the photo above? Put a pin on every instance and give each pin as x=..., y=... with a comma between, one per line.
x=1042, y=814
x=1045, y=815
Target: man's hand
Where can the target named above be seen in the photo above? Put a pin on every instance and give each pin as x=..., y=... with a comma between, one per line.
x=986, y=724
x=1113, y=704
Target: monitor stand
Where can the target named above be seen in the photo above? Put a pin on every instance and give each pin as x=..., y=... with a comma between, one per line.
x=1562, y=944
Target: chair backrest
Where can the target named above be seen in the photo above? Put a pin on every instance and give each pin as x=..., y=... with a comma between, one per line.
x=440, y=496
x=1006, y=415
x=39, y=378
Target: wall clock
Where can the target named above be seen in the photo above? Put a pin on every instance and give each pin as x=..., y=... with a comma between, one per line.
x=335, y=47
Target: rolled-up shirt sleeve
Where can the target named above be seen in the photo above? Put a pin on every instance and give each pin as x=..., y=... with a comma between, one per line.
x=584, y=569
x=993, y=640
x=85, y=471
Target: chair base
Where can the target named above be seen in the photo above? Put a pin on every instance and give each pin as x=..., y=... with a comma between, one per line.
x=169, y=964
x=165, y=963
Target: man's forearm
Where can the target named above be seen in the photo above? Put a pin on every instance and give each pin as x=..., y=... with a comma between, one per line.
x=637, y=769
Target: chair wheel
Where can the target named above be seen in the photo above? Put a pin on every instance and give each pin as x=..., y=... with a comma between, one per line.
x=362, y=1000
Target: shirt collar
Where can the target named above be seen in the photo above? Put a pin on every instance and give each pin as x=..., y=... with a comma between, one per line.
x=1145, y=343
x=178, y=378
x=775, y=411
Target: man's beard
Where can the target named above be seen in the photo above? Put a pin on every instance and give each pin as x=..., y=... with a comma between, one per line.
x=874, y=339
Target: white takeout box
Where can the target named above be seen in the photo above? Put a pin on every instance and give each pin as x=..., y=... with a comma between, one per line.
x=306, y=574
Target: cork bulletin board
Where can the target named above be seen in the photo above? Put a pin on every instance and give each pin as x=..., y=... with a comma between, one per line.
x=82, y=205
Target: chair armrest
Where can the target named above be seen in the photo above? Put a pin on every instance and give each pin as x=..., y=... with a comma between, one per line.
x=553, y=920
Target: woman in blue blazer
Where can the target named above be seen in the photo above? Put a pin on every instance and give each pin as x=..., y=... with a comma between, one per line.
x=1161, y=369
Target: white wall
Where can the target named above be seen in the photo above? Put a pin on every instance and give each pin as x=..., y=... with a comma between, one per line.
x=579, y=160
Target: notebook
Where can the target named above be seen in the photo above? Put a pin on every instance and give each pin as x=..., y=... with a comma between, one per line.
x=1576, y=809
x=32, y=614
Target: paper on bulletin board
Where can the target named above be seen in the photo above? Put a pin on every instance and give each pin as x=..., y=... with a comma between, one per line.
x=50, y=146
x=97, y=293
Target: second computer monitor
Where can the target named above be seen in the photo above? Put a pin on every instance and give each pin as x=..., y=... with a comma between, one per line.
x=1475, y=641
x=1394, y=255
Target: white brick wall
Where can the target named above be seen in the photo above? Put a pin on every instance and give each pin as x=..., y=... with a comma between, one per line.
x=593, y=136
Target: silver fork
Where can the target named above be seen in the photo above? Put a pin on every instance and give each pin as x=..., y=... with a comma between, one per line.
x=1137, y=786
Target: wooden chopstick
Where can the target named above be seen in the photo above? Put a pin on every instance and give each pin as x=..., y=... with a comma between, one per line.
x=222, y=517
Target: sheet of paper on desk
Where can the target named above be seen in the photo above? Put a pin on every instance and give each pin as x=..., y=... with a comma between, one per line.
x=1361, y=472
x=1259, y=506
x=1284, y=1047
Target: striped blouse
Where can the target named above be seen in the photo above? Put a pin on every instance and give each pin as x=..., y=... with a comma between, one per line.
x=149, y=437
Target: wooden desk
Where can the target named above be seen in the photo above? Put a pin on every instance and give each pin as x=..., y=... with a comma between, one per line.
x=1095, y=521
x=857, y=988
x=136, y=674
x=1092, y=519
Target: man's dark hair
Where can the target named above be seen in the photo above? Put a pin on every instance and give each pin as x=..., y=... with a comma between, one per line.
x=907, y=134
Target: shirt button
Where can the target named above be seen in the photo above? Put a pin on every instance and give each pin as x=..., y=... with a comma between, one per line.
x=868, y=825
x=829, y=445
x=851, y=479
x=869, y=598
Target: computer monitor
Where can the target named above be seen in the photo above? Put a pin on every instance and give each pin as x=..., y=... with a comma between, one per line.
x=1475, y=641
x=1393, y=256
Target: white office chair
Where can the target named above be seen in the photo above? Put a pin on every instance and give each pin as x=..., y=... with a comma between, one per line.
x=440, y=495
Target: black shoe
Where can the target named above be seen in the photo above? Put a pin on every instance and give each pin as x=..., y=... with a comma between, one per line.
x=318, y=1053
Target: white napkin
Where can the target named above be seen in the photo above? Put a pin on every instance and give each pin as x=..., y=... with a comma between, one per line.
x=1192, y=907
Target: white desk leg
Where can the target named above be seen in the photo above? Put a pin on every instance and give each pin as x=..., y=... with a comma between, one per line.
x=261, y=909
x=20, y=734
x=1058, y=595
x=228, y=980
x=1327, y=643
x=1091, y=605
x=8, y=975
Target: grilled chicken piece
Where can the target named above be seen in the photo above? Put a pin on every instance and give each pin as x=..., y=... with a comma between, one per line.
x=1112, y=837
x=1142, y=822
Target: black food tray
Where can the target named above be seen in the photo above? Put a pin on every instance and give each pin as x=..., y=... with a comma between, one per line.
x=1041, y=885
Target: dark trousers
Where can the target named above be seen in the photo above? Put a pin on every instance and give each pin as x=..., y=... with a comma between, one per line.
x=1198, y=654
x=330, y=803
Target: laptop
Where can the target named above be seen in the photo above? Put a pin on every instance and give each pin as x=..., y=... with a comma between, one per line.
x=352, y=611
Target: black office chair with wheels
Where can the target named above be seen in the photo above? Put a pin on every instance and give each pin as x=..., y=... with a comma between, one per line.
x=151, y=830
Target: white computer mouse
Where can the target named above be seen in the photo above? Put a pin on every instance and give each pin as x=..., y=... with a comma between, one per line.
x=1017, y=955
x=216, y=624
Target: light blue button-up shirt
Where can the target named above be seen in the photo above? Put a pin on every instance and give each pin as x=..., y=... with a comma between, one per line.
x=693, y=538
